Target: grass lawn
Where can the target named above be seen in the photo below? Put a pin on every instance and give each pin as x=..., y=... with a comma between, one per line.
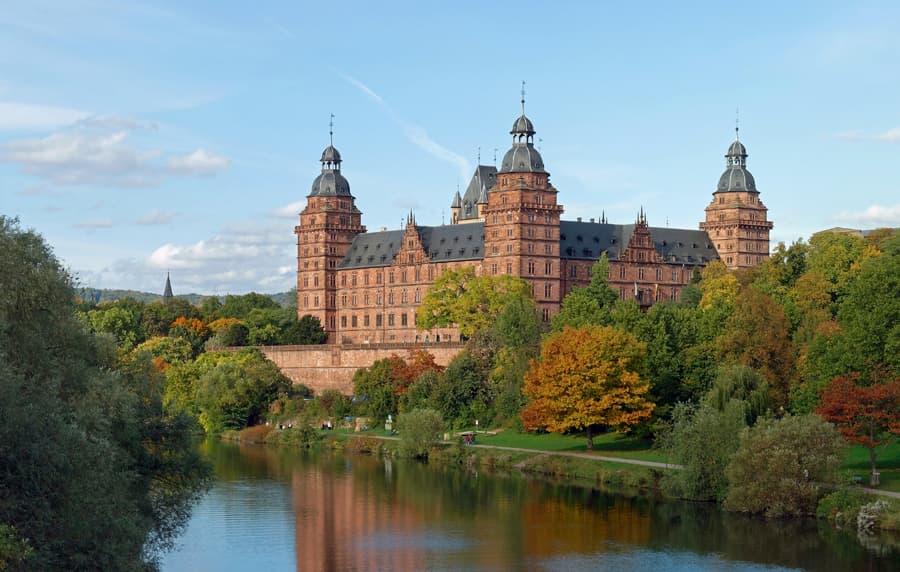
x=888, y=461
x=607, y=444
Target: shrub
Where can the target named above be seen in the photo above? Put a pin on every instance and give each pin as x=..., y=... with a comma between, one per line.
x=420, y=430
x=364, y=445
x=842, y=507
x=303, y=436
x=783, y=466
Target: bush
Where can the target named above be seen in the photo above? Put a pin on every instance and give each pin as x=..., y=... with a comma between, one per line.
x=842, y=507
x=303, y=436
x=783, y=466
x=420, y=430
x=364, y=445
x=702, y=440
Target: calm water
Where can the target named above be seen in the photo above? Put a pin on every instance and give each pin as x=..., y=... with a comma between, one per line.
x=274, y=509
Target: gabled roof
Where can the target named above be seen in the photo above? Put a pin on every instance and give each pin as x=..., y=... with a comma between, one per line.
x=588, y=240
x=444, y=243
x=486, y=176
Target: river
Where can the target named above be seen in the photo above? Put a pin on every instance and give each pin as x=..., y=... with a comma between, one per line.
x=277, y=509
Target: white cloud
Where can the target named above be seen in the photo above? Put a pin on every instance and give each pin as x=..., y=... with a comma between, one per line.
x=78, y=158
x=872, y=217
x=417, y=135
x=891, y=135
x=157, y=217
x=95, y=224
x=98, y=150
x=290, y=210
x=15, y=116
x=199, y=163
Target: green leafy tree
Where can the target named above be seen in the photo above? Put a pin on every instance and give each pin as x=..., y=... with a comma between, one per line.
x=590, y=305
x=169, y=350
x=374, y=388
x=702, y=440
x=784, y=466
x=305, y=331
x=420, y=430
x=472, y=303
x=119, y=322
x=744, y=385
x=94, y=473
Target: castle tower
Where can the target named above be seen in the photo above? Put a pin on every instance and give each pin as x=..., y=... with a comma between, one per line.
x=327, y=227
x=521, y=220
x=736, y=218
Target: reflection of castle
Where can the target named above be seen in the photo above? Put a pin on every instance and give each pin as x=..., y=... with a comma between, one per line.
x=365, y=287
x=340, y=524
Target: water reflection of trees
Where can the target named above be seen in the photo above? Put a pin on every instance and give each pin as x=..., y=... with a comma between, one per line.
x=361, y=512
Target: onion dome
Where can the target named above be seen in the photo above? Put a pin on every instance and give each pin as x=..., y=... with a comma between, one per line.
x=330, y=182
x=736, y=176
x=522, y=157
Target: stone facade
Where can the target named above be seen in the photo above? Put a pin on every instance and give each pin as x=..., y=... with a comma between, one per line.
x=365, y=287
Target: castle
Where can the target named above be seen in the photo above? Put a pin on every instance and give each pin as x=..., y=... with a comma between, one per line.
x=365, y=287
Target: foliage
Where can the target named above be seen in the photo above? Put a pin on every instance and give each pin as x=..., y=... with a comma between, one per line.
x=420, y=430
x=587, y=378
x=169, y=350
x=374, y=388
x=756, y=335
x=93, y=472
x=236, y=393
x=719, y=287
x=783, y=467
x=192, y=330
x=702, y=439
x=470, y=302
x=841, y=507
x=744, y=384
x=123, y=324
x=591, y=304
x=306, y=330
x=867, y=415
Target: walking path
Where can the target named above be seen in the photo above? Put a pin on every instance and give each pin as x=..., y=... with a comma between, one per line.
x=653, y=464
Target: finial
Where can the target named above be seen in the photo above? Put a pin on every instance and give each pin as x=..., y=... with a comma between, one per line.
x=479, y=156
x=495, y=157
x=737, y=123
x=603, y=216
x=331, y=130
x=539, y=143
x=523, y=97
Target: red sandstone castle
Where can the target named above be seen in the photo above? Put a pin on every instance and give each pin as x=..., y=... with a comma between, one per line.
x=365, y=286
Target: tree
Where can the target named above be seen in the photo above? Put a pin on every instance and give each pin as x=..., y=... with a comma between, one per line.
x=867, y=415
x=591, y=304
x=784, y=466
x=587, y=378
x=719, y=287
x=702, y=440
x=470, y=302
x=306, y=330
x=756, y=335
x=374, y=388
x=236, y=394
x=94, y=473
x=192, y=330
x=420, y=431
x=744, y=385
x=169, y=350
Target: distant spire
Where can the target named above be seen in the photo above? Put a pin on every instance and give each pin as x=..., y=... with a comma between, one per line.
x=167, y=293
x=331, y=130
x=603, y=216
x=523, y=97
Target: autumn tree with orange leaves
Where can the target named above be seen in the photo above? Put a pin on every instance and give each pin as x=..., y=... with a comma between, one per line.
x=867, y=415
x=587, y=378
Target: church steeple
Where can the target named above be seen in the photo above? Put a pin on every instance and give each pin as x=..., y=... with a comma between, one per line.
x=167, y=292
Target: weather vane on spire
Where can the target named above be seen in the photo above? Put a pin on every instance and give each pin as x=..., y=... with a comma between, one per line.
x=523, y=97
x=331, y=130
x=737, y=121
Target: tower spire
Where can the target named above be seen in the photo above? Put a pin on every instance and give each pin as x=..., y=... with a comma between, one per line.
x=331, y=130
x=523, y=97
x=737, y=123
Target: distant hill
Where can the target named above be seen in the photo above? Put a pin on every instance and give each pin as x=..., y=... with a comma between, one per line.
x=110, y=295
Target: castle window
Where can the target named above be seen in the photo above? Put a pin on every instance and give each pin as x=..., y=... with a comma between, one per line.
x=366, y=275
x=509, y=232
x=366, y=299
x=343, y=299
x=659, y=273
x=404, y=320
x=674, y=276
x=431, y=273
x=354, y=299
x=391, y=298
x=353, y=321
x=315, y=280
x=378, y=298
x=621, y=271
x=548, y=268
x=403, y=276
x=508, y=248
x=353, y=280
x=343, y=321
x=548, y=249
x=418, y=274
x=531, y=218
x=495, y=249
x=622, y=293
x=305, y=301
x=494, y=268
x=721, y=200
x=378, y=278
x=503, y=200
x=410, y=258
x=509, y=267
x=530, y=247
x=403, y=297
x=573, y=271
x=548, y=290
x=495, y=219
x=640, y=273
x=390, y=319
x=509, y=218
x=531, y=267
x=391, y=277
x=418, y=297
x=306, y=281
x=377, y=320
x=366, y=320
x=531, y=232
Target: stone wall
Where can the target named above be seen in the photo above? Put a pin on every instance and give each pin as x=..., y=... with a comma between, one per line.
x=332, y=366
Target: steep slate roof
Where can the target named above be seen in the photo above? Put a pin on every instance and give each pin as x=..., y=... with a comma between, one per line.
x=485, y=175
x=578, y=240
x=588, y=240
x=442, y=244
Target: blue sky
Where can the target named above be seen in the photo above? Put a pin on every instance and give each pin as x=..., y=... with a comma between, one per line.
x=184, y=136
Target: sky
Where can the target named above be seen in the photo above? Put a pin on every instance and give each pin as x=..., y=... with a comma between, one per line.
x=143, y=138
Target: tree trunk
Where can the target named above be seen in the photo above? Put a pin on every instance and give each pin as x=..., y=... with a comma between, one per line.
x=873, y=476
x=590, y=438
